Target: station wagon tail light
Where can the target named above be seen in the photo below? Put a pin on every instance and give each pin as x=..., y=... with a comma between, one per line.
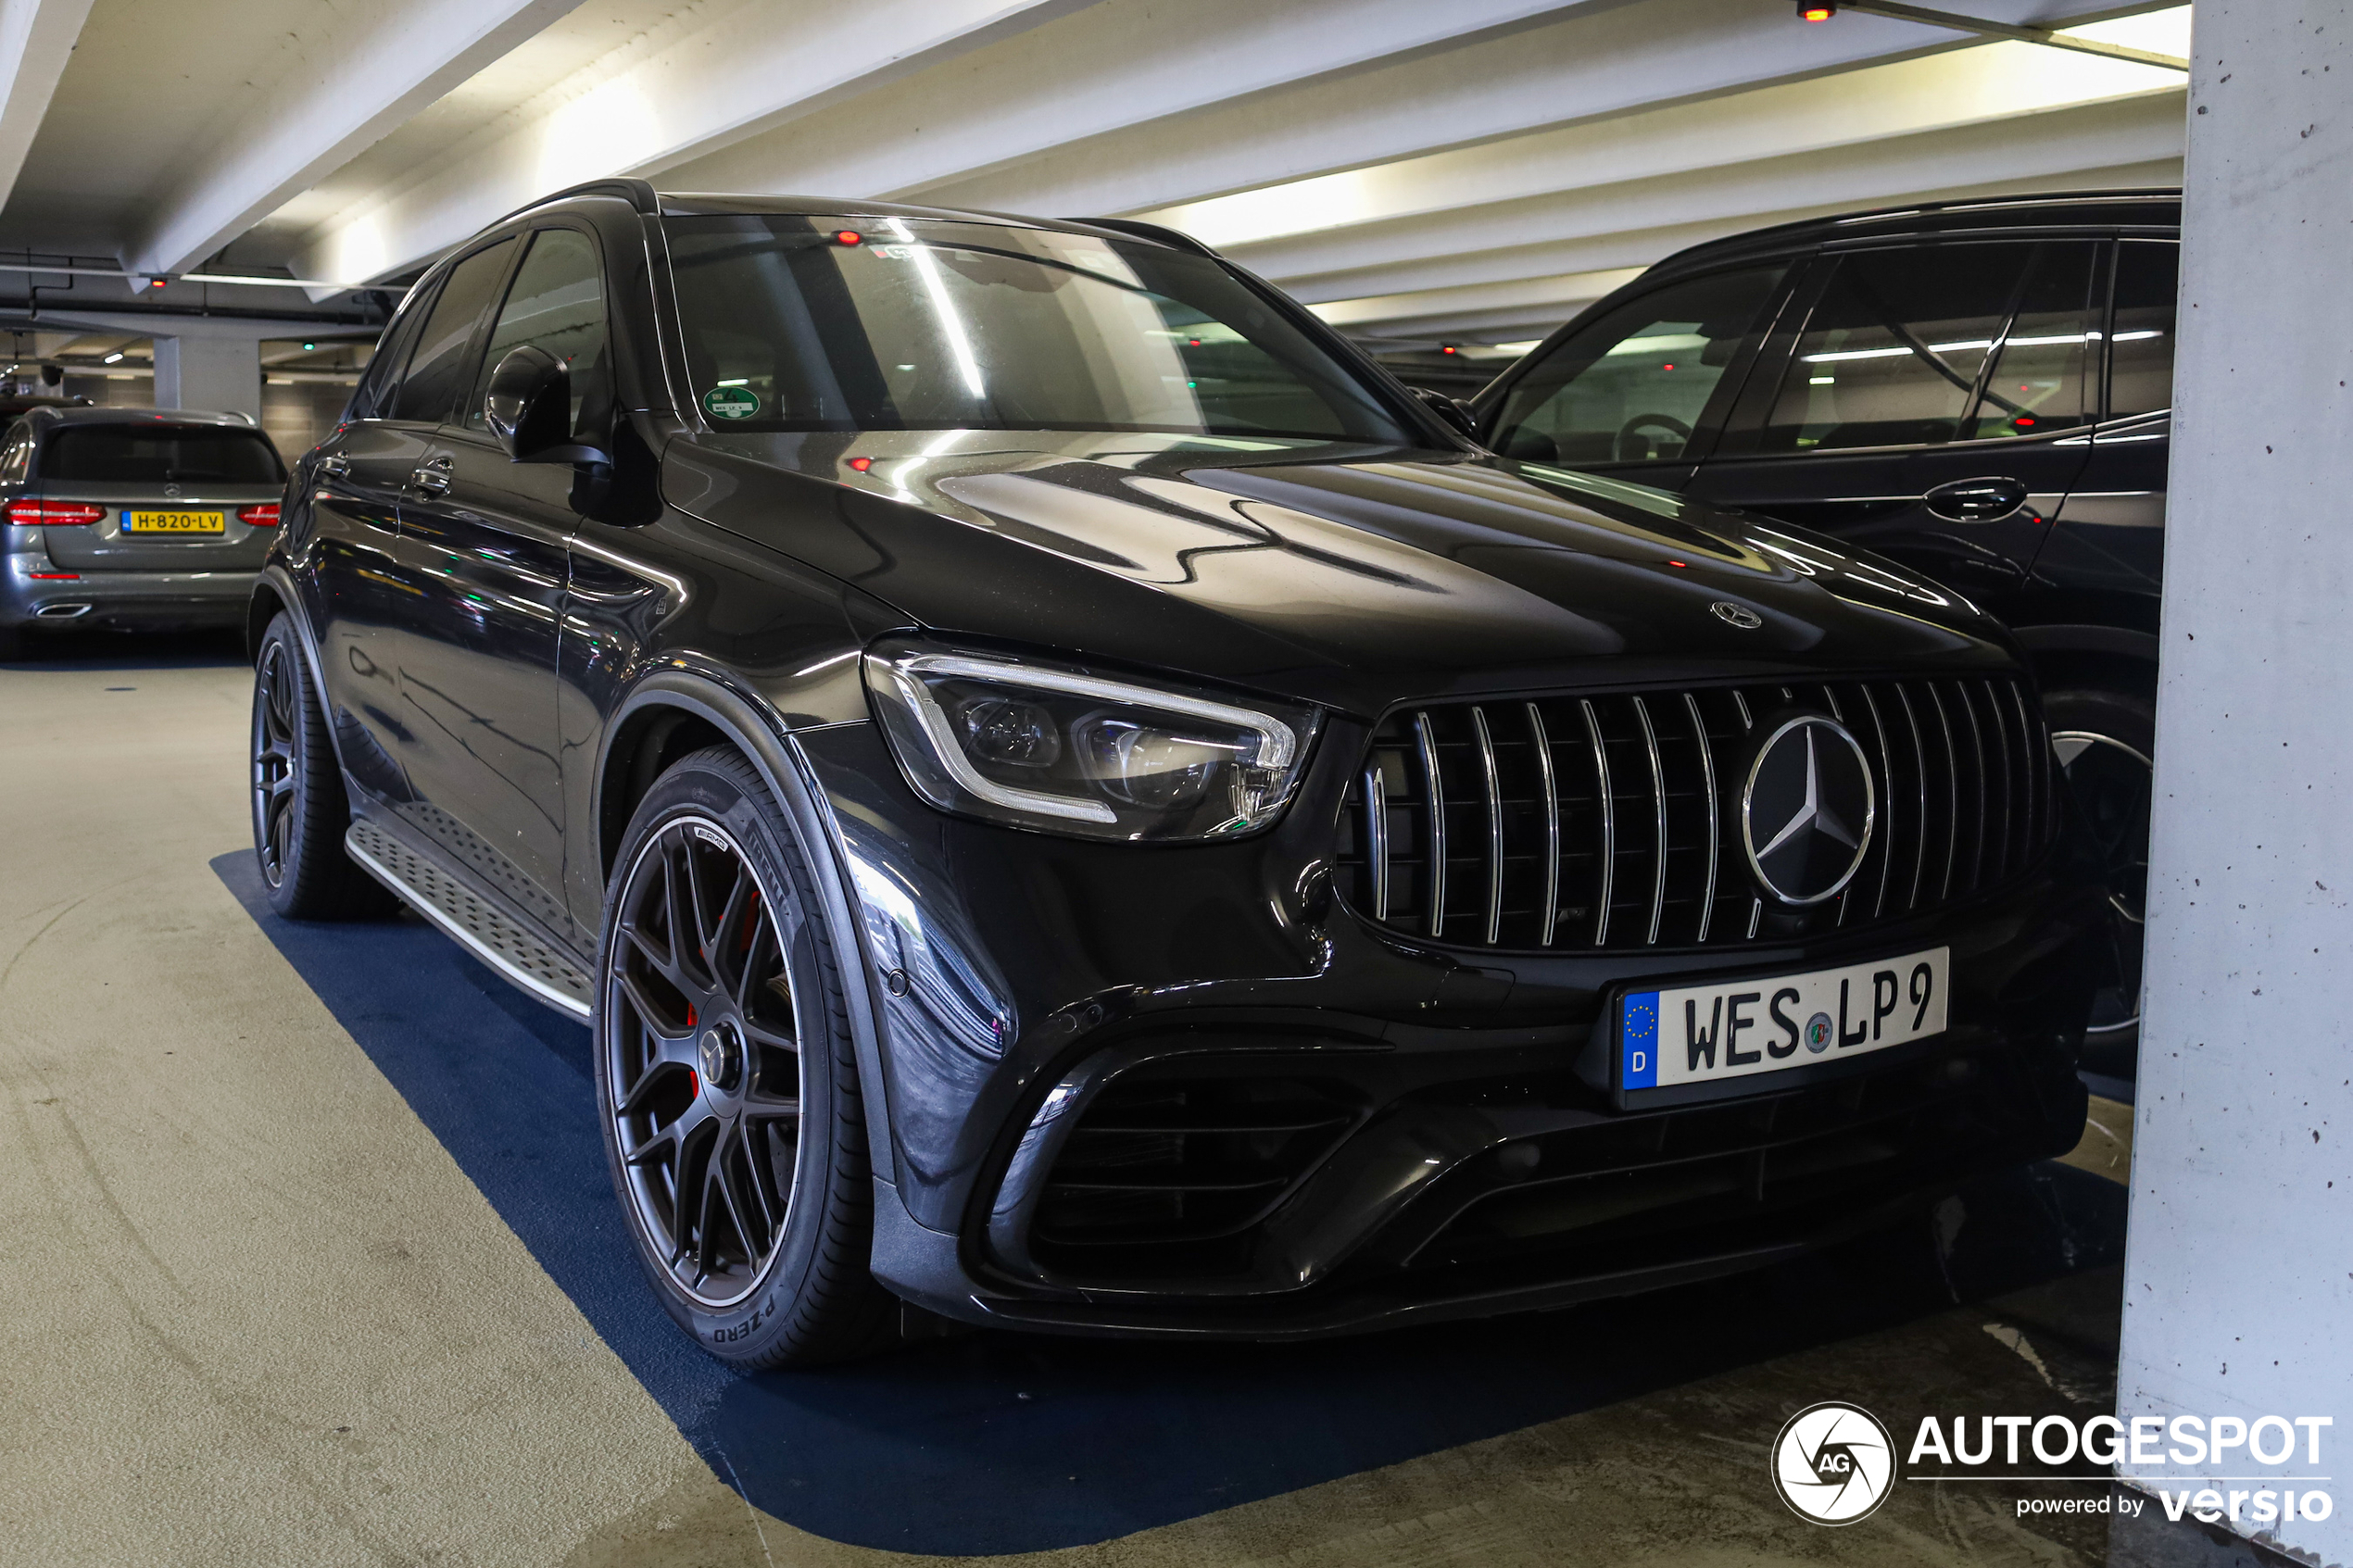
x=264, y=516
x=1061, y=750
x=53, y=514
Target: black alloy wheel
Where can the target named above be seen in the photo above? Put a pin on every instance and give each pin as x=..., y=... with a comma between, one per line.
x=299, y=810
x=728, y=1085
x=2103, y=743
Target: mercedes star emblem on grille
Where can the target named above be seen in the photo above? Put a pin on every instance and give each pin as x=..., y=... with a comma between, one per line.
x=1806, y=809
x=1731, y=614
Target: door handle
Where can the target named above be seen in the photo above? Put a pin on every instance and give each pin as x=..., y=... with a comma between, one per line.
x=431, y=476
x=336, y=465
x=1976, y=500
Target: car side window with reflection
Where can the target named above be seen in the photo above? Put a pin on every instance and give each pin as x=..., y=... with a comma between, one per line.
x=557, y=302
x=1632, y=386
x=2140, y=353
x=436, y=372
x=16, y=456
x=380, y=383
x=1896, y=351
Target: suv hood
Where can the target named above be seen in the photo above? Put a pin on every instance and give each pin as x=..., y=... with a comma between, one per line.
x=1348, y=576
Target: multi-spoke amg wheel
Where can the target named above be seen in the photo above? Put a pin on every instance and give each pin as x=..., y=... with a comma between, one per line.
x=276, y=721
x=299, y=808
x=729, y=1083
x=2103, y=742
x=705, y=1059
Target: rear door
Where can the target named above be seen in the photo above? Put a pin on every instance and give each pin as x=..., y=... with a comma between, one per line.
x=1638, y=392
x=2105, y=552
x=344, y=538
x=492, y=536
x=1920, y=403
x=170, y=496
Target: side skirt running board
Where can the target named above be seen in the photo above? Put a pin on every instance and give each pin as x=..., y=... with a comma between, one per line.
x=521, y=959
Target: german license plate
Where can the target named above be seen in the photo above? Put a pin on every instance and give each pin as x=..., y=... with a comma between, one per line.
x=1736, y=1029
x=174, y=522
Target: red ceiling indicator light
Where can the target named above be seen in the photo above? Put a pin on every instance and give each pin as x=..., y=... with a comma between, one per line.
x=263, y=516
x=861, y=464
x=849, y=237
x=1666, y=367
x=1684, y=564
x=1447, y=348
x=1817, y=10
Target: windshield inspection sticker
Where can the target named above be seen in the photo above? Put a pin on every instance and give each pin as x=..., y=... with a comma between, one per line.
x=731, y=403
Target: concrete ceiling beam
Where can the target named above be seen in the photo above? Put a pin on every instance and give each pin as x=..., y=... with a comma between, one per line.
x=36, y=39
x=1470, y=306
x=1589, y=65
x=1996, y=87
x=367, y=70
x=1512, y=239
x=676, y=94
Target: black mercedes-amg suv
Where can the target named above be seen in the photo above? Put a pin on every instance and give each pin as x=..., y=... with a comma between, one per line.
x=1979, y=390
x=1070, y=799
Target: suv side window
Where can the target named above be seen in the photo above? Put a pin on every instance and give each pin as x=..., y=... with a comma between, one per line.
x=1633, y=385
x=2140, y=352
x=379, y=383
x=557, y=302
x=1928, y=345
x=436, y=373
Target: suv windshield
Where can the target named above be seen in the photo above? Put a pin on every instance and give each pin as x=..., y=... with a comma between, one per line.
x=152, y=454
x=795, y=324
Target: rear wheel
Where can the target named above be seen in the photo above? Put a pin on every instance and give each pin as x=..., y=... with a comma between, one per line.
x=2103, y=742
x=299, y=808
x=729, y=1089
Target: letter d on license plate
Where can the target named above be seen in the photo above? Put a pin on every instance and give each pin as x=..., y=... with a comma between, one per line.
x=1732, y=1029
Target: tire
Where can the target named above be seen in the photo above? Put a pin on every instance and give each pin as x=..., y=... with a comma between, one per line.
x=299, y=808
x=725, y=1073
x=2104, y=741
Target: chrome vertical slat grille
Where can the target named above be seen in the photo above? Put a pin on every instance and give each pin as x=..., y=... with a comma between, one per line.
x=1612, y=820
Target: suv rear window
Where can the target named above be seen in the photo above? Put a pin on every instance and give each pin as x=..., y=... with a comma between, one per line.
x=148, y=454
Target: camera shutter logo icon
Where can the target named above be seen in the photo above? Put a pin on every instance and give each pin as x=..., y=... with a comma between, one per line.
x=1833, y=1463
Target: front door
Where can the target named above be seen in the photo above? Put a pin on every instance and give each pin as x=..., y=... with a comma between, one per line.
x=1929, y=407
x=1638, y=393
x=491, y=537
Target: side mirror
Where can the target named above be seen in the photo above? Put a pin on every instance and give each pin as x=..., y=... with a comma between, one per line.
x=1457, y=413
x=528, y=408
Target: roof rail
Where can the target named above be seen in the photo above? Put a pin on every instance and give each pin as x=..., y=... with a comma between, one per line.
x=636, y=192
x=1175, y=239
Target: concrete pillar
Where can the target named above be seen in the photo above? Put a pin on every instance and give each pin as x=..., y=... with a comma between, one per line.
x=220, y=375
x=2239, y=1268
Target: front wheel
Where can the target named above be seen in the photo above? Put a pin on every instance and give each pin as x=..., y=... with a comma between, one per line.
x=2103, y=742
x=726, y=1078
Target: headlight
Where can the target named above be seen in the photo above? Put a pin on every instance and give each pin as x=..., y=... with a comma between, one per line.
x=1054, y=750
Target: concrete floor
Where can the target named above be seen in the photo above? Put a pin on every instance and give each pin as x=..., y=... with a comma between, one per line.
x=253, y=1311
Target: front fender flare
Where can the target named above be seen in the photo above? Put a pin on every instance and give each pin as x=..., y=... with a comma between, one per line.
x=762, y=736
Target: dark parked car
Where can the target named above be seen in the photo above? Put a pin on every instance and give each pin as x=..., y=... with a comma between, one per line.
x=1069, y=799
x=132, y=519
x=1978, y=390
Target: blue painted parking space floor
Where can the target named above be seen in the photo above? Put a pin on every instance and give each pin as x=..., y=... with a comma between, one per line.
x=1616, y=1431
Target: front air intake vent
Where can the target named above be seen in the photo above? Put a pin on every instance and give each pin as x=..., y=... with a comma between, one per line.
x=1612, y=822
x=1155, y=1162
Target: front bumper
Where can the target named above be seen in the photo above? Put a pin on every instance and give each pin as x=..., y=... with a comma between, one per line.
x=1185, y=1091
x=35, y=593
